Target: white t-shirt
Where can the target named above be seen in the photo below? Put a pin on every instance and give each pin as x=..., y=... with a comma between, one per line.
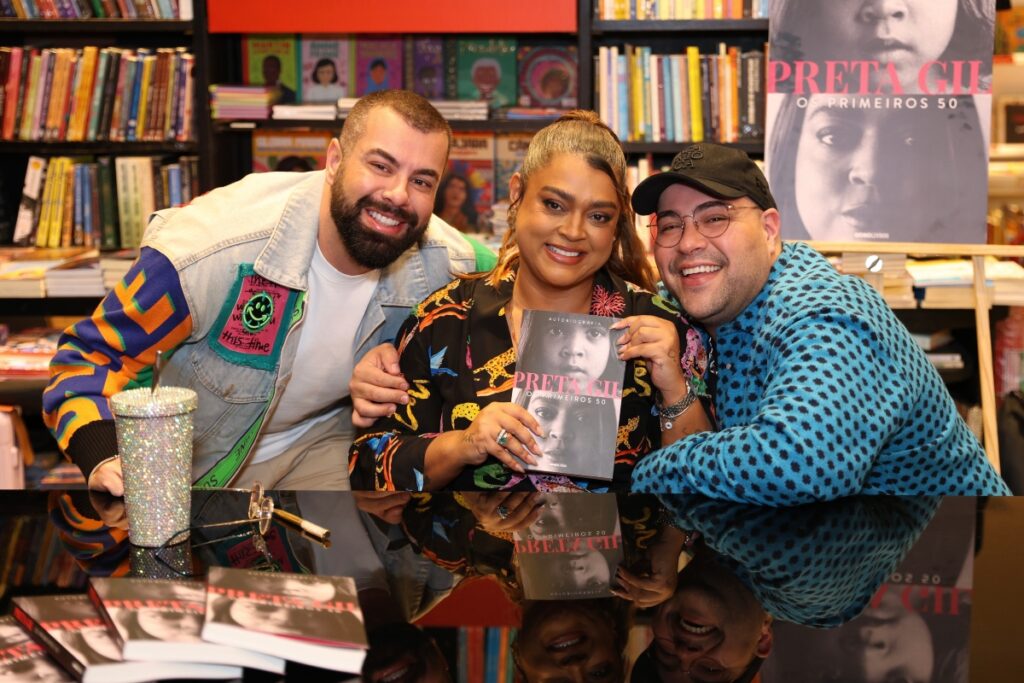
x=335, y=304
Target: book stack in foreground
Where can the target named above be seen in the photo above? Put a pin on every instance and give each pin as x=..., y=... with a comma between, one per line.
x=136, y=629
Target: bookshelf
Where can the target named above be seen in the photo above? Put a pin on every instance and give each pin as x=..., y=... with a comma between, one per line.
x=117, y=33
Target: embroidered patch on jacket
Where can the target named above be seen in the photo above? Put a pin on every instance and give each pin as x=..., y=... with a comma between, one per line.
x=253, y=321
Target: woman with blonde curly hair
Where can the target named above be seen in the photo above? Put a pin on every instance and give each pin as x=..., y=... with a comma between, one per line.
x=447, y=420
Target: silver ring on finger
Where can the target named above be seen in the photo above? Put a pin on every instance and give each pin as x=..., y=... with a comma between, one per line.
x=502, y=437
x=502, y=511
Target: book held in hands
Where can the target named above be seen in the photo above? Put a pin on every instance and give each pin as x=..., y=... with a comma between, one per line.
x=159, y=620
x=310, y=619
x=569, y=378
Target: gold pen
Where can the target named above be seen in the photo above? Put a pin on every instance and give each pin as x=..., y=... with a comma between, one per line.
x=314, y=531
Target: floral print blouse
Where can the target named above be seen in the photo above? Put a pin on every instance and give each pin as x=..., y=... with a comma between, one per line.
x=457, y=355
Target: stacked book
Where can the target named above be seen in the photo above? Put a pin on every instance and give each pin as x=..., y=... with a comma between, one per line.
x=462, y=110
x=453, y=110
x=77, y=277
x=241, y=101
x=888, y=272
x=307, y=112
x=114, y=266
x=949, y=283
x=135, y=629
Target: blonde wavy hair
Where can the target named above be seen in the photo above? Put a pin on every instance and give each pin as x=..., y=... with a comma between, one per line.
x=582, y=133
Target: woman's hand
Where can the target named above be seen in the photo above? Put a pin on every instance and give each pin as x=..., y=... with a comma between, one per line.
x=503, y=430
x=502, y=511
x=656, y=341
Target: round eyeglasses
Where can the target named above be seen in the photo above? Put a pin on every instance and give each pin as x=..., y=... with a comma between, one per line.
x=710, y=221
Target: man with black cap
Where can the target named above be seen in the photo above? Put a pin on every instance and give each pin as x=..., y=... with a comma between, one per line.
x=822, y=392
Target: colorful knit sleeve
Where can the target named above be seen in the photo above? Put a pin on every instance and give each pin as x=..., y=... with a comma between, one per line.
x=112, y=350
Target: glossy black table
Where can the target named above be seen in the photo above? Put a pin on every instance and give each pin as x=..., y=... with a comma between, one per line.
x=476, y=587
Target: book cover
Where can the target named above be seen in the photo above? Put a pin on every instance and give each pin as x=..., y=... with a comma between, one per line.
x=160, y=620
x=377, y=64
x=424, y=60
x=28, y=209
x=272, y=60
x=572, y=550
x=289, y=150
x=510, y=150
x=879, y=131
x=325, y=68
x=466, y=193
x=548, y=76
x=569, y=377
x=487, y=70
x=916, y=625
x=22, y=659
x=305, y=618
x=71, y=631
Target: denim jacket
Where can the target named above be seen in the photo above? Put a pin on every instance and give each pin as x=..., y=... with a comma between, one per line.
x=206, y=264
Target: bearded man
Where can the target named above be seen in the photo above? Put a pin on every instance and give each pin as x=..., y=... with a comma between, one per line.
x=263, y=295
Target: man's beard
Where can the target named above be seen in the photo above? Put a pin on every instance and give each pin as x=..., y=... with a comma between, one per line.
x=366, y=246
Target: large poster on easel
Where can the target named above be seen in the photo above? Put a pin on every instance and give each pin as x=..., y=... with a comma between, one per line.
x=879, y=119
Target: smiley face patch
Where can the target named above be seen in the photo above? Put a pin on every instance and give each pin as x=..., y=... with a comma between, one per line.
x=253, y=321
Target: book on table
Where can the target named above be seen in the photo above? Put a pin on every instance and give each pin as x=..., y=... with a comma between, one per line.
x=71, y=631
x=305, y=618
x=23, y=659
x=160, y=620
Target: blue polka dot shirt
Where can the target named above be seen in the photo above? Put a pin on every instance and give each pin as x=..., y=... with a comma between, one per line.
x=822, y=393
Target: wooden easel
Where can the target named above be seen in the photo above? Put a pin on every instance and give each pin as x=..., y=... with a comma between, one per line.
x=982, y=303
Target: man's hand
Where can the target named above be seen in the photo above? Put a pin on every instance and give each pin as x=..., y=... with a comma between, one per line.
x=107, y=477
x=112, y=511
x=656, y=341
x=377, y=386
x=384, y=505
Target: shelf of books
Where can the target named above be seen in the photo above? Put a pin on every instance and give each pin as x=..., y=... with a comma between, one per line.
x=601, y=26
x=94, y=26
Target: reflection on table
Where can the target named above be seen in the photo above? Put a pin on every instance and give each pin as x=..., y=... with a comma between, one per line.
x=487, y=587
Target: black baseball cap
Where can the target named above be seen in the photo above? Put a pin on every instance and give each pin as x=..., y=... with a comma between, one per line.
x=717, y=170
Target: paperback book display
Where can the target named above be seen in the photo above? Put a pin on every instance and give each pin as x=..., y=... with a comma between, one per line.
x=314, y=620
x=378, y=64
x=878, y=130
x=22, y=659
x=325, y=68
x=572, y=550
x=486, y=70
x=569, y=377
x=160, y=620
x=466, y=193
x=272, y=61
x=547, y=76
x=71, y=631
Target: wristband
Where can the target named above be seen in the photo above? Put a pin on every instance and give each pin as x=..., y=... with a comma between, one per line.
x=668, y=414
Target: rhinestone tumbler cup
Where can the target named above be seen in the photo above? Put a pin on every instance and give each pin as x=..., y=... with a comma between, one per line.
x=154, y=439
